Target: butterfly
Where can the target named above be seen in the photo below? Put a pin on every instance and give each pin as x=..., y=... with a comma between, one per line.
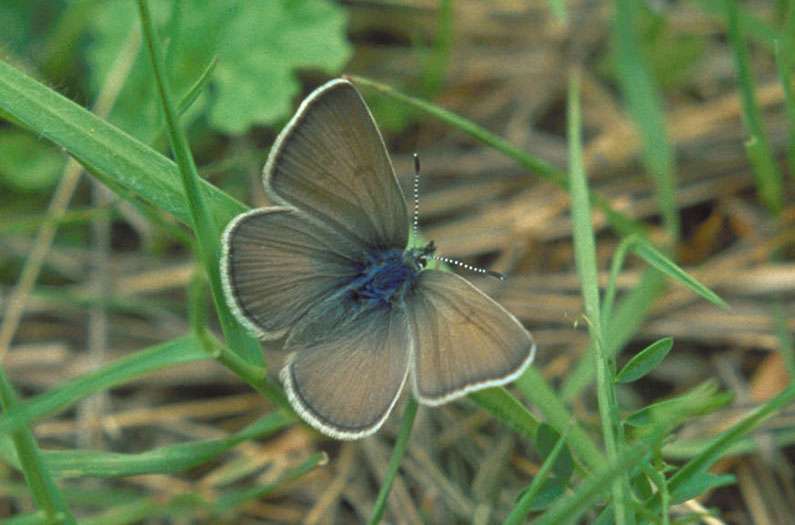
x=328, y=267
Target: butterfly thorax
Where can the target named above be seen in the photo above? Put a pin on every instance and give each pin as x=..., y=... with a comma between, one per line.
x=385, y=275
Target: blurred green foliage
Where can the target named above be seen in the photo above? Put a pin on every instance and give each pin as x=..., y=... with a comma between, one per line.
x=260, y=47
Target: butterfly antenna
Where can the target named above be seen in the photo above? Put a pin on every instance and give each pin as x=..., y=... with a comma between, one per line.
x=416, y=219
x=469, y=267
x=431, y=247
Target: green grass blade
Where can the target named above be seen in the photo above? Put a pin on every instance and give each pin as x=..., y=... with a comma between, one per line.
x=768, y=177
x=585, y=258
x=786, y=342
x=234, y=499
x=558, y=9
x=723, y=443
x=662, y=491
x=175, y=352
x=506, y=408
x=645, y=361
x=519, y=512
x=170, y=459
x=756, y=28
x=108, y=152
x=632, y=311
x=621, y=327
x=660, y=262
x=612, y=280
x=196, y=89
x=394, y=462
x=205, y=228
x=46, y=494
x=538, y=392
x=646, y=108
x=569, y=508
x=143, y=510
x=784, y=61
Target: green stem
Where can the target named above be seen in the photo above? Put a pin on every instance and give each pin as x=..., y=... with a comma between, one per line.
x=615, y=268
x=519, y=513
x=585, y=255
x=768, y=178
x=45, y=492
x=394, y=462
x=202, y=221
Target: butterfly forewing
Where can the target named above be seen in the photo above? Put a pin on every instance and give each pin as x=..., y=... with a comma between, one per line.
x=277, y=265
x=330, y=162
x=348, y=368
x=464, y=340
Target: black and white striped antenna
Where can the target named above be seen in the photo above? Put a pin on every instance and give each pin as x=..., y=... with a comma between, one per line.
x=416, y=226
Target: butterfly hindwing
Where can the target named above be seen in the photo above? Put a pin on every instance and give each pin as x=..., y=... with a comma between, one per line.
x=464, y=340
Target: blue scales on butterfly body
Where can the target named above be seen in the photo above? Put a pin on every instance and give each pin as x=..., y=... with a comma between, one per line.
x=384, y=276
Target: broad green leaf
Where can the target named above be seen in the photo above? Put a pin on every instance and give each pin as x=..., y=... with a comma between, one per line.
x=645, y=361
x=260, y=46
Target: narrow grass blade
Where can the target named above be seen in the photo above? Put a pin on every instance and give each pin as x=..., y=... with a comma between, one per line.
x=785, y=59
x=196, y=89
x=108, y=152
x=786, y=342
x=700, y=484
x=585, y=258
x=170, y=459
x=757, y=29
x=435, y=67
x=394, y=462
x=46, y=494
x=203, y=222
x=519, y=512
x=722, y=444
x=784, y=53
x=141, y=510
x=175, y=352
x=768, y=177
x=506, y=408
x=558, y=9
x=538, y=392
x=645, y=107
x=233, y=499
x=621, y=327
x=663, y=495
x=645, y=361
x=597, y=485
x=660, y=262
